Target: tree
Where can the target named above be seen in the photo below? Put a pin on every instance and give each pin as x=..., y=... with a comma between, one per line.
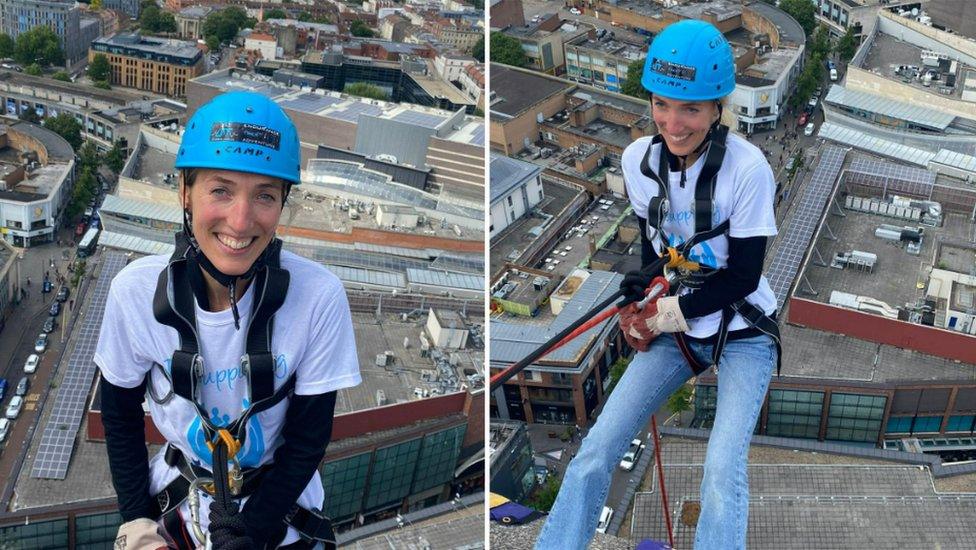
x=275, y=13
x=39, y=45
x=364, y=89
x=6, y=46
x=804, y=11
x=546, y=496
x=821, y=43
x=507, y=50
x=632, y=86
x=847, y=46
x=103, y=85
x=99, y=68
x=81, y=194
x=95, y=5
x=115, y=158
x=67, y=127
x=478, y=50
x=680, y=400
x=154, y=20
x=63, y=76
x=617, y=371
x=30, y=115
x=33, y=69
x=89, y=156
x=224, y=25
x=360, y=28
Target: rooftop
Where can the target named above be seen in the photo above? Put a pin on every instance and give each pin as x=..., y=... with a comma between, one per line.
x=647, y=9
x=163, y=46
x=901, y=61
x=613, y=47
x=198, y=12
x=339, y=106
x=789, y=30
x=57, y=148
x=508, y=174
x=320, y=27
x=917, y=114
x=721, y=10
x=519, y=90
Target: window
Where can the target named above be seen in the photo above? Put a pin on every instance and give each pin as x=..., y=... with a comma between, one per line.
x=855, y=417
x=345, y=483
x=392, y=473
x=960, y=423
x=510, y=200
x=794, y=413
x=437, y=458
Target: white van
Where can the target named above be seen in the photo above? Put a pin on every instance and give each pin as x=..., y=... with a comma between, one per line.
x=833, y=75
x=605, y=516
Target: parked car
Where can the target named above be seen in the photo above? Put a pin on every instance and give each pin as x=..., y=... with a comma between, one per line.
x=3, y=387
x=575, y=11
x=632, y=455
x=808, y=131
x=41, y=344
x=605, y=516
x=4, y=428
x=802, y=120
x=55, y=309
x=812, y=103
x=47, y=286
x=13, y=409
x=49, y=325
x=63, y=293
x=31, y=364
x=22, y=386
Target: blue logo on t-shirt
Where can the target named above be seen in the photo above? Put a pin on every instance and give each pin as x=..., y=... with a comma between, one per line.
x=701, y=252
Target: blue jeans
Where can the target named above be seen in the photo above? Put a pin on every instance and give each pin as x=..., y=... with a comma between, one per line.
x=743, y=377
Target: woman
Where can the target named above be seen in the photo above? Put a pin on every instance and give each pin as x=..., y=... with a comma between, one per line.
x=240, y=346
x=708, y=193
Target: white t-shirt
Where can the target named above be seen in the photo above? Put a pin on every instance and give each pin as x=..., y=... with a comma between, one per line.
x=313, y=338
x=744, y=192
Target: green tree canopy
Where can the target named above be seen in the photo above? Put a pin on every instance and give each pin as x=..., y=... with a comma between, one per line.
x=30, y=115
x=95, y=5
x=33, y=69
x=88, y=155
x=39, y=45
x=364, y=89
x=507, y=50
x=223, y=26
x=275, y=13
x=63, y=76
x=478, y=50
x=803, y=11
x=154, y=20
x=632, y=86
x=67, y=127
x=360, y=28
x=821, y=42
x=99, y=68
x=115, y=158
x=847, y=46
x=6, y=46
x=81, y=194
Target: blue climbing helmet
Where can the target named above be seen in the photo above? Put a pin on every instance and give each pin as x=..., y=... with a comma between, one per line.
x=244, y=132
x=689, y=61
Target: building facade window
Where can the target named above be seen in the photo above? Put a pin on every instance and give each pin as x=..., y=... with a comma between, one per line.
x=855, y=417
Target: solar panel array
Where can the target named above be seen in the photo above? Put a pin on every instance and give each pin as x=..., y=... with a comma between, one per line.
x=478, y=137
x=451, y=262
x=58, y=440
x=310, y=103
x=420, y=119
x=802, y=225
x=445, y=279
x=896, y=178
x=857, y=138
x=352, y=112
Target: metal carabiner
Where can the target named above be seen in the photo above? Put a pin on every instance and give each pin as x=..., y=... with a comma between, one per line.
x=193, y=501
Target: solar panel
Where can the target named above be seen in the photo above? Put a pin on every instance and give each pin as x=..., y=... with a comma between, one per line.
x=57, y=442
x=897, y=178
x=420, y=119
x=799, y=230
x=309, y=103
x=479, y=137
x=352, y=112
x=450, y=262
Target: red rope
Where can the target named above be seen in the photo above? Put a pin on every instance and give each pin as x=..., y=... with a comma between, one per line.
x=660, y=476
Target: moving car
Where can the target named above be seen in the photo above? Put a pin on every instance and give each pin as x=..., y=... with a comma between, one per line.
x=632, y=455
x=47, y=286
x=575, y=11
x=605, y=516
x=63, y=293
x=41, y=344
x=4, y=428
x=13, y=409
x=31, y=365
x=55, y=309
x=808, y=131
x=3, y=387
x=812, y=103
x=49, y=325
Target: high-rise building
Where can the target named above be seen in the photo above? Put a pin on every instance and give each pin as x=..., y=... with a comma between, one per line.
x=157, y=65
x=63, y=17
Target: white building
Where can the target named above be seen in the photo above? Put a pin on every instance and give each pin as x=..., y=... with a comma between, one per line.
x=264, y=43
x=516, y=187
x=447, y=329
x=392, y=215
x=451, y=66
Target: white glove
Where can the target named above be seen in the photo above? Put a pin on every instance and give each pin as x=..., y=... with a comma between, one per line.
x=140, y=534
x=669, y=317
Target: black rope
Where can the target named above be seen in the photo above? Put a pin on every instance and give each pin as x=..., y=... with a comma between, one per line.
x=227, y=528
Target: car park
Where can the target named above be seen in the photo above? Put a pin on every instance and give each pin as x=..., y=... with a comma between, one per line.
x=49, y=325
x=4, y=428
x=605, y=516
x=63, y=293
x=31, y=364
x=13, y=409
x=632, y=455
x=808, y=131
x=22, y=386
x=55, y=309
x=41, y=344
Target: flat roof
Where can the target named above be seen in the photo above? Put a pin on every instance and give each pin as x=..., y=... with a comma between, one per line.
x=507, y=174
x=887, y=53
x=57, y=147
x=722, y=10
x=165, y=46
x=519, y=90
x=789, y=29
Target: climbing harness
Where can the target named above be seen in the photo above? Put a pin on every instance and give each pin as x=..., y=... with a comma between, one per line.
x=173, y=306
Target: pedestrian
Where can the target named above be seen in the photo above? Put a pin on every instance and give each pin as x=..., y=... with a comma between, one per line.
x=238, y=159
x=71, y=304
x=28, y=281
x=676, y=337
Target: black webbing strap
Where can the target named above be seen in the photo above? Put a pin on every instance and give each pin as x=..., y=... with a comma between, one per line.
x=705, y=185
